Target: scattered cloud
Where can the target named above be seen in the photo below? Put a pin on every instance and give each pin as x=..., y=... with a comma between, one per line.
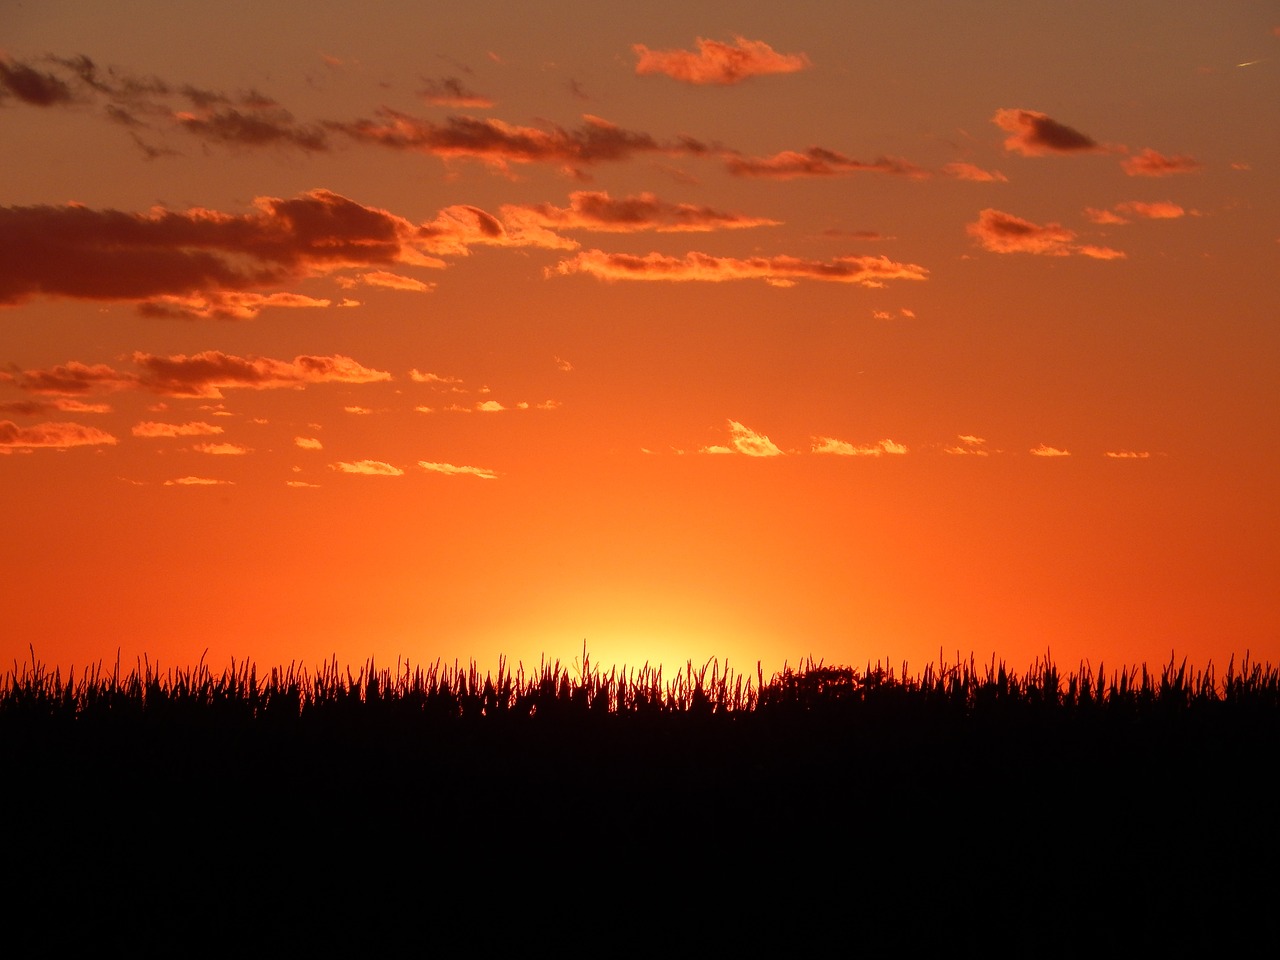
x=450, y=470
x=302, y=483
x=198, y=428
x=868, y=271
x=969, y=445
x=394, y=281
x=1002, y=232
x=197, y=482
x=967, y=171
x=1044, y=450
x=843, y=448
x=207, y=374
x=308, y=443
x=1148, y=163
x=1121, y=212
x=1128, y=454
x=746, y=441
x=717, y=63
x=31, y=86
x=370, y=468
x=221, y=449
x=449, y=92
x=500, y=144
x=59, y=436
x=1034, y=134
x=816, y=162
x=597, y=211
x=358, y=410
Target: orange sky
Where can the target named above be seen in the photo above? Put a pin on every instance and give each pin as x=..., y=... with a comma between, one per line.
x=752, y=331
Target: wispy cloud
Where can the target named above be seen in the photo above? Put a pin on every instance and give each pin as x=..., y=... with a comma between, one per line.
x=715, y=62
x=1044, y=450
x=1121, y=212
x=449, y=92
x=57, y=435
x=221, y=449
x=744, y=440
x=207, y=374
x=449, y=469
x=34, y=87
x=1128, y=454
x=816, y=162
x=969, y=445
x=867, y=271
x=1149, y=163
x=308, y=443
x=1002, y=232
x=369, y=468
x=597, y=211
x=198, y=428
x=842, y=448
x=197, y=482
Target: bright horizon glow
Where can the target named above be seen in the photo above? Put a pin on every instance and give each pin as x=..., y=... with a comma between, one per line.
x=866, y=335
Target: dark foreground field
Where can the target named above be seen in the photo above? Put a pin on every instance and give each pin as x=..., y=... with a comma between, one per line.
x=1128, y=807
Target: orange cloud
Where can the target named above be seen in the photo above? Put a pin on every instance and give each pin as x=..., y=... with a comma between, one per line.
x=1159, y=210
x=197, y=482
x=221, y=449
x=967, y=171
x=1044, y=450
x=815, y=162
x=1127, y=454
x=448, y=469
x=74, y=378
x=1002, y=232
x=1034, y=134
x=778, y=270
x=370, y=468
x=499, y=143
x=969, y=445
x=223, y=305
x=150, y=428
x=308, y=443
x=393, y=281
x=597, y=211
x=1151, y=164
x=207, y=374
x=449, y=92
x=59, y=436
x=843, y=448
x=716, y=62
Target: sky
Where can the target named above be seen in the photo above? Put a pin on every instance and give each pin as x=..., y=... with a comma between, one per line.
x=758, y=332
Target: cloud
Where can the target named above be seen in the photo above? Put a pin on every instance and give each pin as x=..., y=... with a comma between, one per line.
x=597, y=211
x=450, y=470
x=969, y=445
x=1127, y=454
x=207, y=374
x=1002, y=232
x=1158, y=210
x=29, y=408
x=967, y=171
x=198, y=428
x=716, y=62
x=302, y=483
x=1034, y=134
x=197, y=482
x=746, y=441
x=449, y=92
x=394, y=281
x=371, y=468
x=205, y=263
x=1044, y=450
x=843, y=448
x=267, y=126
x=815, y=162
x=499, y=144
x=308, y=443
x=419, y=377
x=74, y=378
x=59, y=436
x=778, y=270
x=221, y=449
x=1148, y=163
x=31, y=86
x=490, y=406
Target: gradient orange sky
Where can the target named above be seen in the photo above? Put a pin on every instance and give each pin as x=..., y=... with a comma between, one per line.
x=750, y=331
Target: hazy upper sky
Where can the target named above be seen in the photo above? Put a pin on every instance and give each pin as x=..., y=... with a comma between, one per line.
x=746, y=330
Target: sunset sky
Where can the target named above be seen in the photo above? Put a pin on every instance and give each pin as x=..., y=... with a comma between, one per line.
x=742, y=330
